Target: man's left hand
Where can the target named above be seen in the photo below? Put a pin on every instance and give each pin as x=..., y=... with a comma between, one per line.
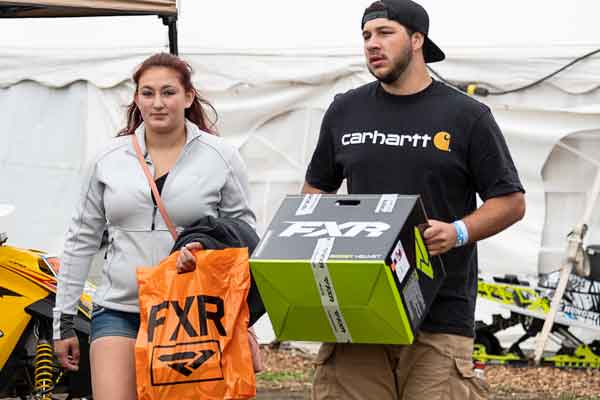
x=439, y=237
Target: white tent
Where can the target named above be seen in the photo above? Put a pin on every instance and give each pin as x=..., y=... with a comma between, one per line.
x=271, y=68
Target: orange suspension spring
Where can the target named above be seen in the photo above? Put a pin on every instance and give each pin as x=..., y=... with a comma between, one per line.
x=44, y=370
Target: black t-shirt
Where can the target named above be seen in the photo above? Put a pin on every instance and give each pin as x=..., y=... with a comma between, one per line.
x=438, y=143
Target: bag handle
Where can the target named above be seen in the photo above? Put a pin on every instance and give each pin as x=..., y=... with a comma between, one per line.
x=159, y=202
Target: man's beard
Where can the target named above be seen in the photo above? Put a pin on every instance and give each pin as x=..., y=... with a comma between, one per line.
x=398, y=67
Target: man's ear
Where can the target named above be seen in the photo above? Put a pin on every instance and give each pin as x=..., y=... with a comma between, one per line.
x=418, y=40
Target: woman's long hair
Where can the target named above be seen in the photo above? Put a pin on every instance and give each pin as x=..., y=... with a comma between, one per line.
x=195, y=113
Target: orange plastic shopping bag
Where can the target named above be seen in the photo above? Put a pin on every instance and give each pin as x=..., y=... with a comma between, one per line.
x=193, y=337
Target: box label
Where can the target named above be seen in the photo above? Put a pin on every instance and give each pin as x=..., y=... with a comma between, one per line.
x=308, y=204
x=400, y=263
x=326, y=290
x=415, y=303
x=386, y=203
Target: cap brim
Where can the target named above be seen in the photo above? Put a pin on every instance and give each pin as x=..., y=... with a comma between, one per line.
x=431, y=52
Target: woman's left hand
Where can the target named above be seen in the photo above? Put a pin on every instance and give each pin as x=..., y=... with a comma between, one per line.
x=186, y=262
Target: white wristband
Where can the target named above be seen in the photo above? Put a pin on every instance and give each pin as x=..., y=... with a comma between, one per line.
x=462, y=234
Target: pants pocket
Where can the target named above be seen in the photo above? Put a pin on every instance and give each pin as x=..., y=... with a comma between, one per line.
x=325, y=352
x=97, y=310
x=325, y=384
x=477, y=388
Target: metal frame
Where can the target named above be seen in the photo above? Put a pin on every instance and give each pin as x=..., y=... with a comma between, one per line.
x=87, y=8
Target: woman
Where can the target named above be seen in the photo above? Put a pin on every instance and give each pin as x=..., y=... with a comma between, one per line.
x=197, y=173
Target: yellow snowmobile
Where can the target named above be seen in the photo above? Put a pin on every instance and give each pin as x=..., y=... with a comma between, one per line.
x=28, y=369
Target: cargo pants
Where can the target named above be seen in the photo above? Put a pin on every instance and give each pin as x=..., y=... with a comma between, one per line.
x=434, y=367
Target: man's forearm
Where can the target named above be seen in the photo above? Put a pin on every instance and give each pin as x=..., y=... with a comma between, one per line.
x=495, y=215
x=308, y=189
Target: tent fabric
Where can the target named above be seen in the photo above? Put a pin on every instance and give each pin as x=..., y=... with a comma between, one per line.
x=270, y=107
x=571, y=175
x=109, y=68
x=82, y=8
x=106, y=68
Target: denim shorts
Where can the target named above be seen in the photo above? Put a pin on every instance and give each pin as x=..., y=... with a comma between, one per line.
x=108, y=322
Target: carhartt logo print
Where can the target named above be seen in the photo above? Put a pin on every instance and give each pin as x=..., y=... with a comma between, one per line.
x=440, y=140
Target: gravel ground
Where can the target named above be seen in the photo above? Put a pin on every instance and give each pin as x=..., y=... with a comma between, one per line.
x=544, y=383
x=289, y=372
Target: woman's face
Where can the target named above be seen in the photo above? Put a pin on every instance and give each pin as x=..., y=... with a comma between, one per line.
x=162, y=100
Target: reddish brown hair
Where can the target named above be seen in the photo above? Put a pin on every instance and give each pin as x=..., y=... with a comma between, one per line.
x=195, y=113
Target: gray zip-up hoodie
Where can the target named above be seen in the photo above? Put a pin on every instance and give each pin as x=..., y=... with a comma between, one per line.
x=209, y=178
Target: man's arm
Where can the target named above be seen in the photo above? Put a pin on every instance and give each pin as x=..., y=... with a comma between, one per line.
x=308, y=189
x=494, y=215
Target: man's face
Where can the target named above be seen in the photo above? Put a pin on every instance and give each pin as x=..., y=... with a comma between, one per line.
x=388, y=49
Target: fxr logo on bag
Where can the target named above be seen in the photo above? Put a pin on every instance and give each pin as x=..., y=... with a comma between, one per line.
x=191, y=362
x=184, y=361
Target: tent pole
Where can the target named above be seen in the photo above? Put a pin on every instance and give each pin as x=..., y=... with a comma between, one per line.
x=171, y=22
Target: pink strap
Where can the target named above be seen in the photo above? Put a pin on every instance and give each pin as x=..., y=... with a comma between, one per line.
x=159, y=203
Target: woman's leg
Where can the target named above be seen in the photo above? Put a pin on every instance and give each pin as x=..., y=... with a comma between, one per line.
x=113, y=368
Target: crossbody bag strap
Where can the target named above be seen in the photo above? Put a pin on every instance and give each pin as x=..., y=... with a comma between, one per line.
x=159, y=202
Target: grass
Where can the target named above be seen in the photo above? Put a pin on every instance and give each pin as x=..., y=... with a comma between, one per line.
x=571, y=396
x=510, y=393
x=283, y=376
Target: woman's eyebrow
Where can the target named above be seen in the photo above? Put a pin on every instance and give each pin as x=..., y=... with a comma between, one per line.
x=167, y=86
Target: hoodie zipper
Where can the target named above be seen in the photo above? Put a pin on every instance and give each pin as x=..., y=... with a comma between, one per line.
x=153, y=227
x=171, y=174
x=154, y=211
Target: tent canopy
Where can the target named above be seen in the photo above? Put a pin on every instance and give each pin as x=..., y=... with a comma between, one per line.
x=166, y=9
x=85, y=8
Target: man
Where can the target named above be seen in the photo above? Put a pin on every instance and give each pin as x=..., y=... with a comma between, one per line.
x=406, y=133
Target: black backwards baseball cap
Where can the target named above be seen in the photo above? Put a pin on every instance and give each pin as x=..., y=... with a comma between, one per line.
x=412, y=16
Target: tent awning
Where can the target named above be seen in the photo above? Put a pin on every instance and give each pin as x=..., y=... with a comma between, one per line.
x=166, y=9
x=85, y=8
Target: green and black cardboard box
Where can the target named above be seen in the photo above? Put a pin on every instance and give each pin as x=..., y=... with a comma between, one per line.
x=347, y=268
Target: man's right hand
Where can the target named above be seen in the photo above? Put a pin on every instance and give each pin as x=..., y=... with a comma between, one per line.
x=440, y=237
x=67, y=353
